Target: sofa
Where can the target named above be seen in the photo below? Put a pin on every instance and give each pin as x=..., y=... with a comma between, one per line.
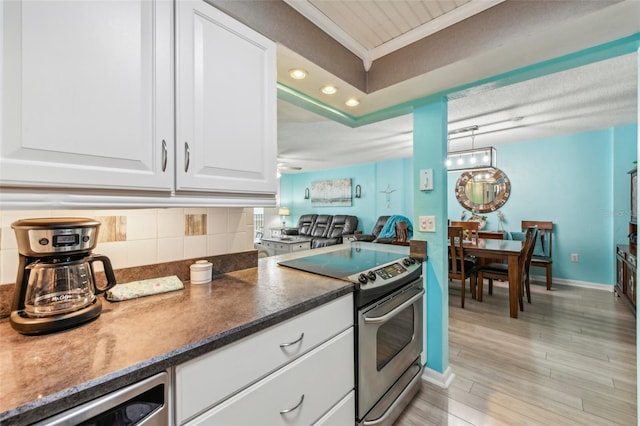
x=323, y=229
x=385, y=228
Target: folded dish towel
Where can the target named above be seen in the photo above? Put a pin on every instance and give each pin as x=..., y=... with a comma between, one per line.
x=143, y=288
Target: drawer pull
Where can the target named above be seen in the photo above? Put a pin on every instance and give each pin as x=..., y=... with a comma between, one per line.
x=288, y=410
x=299, y=339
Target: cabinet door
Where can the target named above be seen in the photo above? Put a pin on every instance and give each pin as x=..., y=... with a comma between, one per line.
x=630, y=277
x=87, y=94
x=620, y=276
x=226, y=104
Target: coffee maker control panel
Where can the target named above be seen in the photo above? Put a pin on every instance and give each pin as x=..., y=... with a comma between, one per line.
x=50, y=237
x=60, y=240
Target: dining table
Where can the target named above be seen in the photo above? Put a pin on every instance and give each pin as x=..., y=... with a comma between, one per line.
x=509, y=250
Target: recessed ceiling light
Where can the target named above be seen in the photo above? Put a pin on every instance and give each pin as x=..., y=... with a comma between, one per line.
x=297, y=73
x=352, y=102
x=329, y=89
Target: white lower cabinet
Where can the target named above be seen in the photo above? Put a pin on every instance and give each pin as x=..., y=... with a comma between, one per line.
x=277, y=247
x=252, y=380
x=298, y=394
x=342, y=413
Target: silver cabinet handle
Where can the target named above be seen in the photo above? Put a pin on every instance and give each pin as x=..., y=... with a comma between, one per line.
x=186, y=156
x=288, y=410
x=299, y=339
x=164, y=155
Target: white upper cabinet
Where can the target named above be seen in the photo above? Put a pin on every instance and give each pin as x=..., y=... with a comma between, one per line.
x=87, y=94
x=226, y=103
x=94, y=94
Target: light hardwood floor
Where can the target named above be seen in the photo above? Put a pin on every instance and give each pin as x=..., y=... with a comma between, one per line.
x=569, y=359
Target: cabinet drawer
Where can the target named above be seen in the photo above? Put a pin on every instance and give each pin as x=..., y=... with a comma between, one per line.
x=300, y=246
x=211, y=378
x=343, y=413
x=308, y=388
x=268, y=244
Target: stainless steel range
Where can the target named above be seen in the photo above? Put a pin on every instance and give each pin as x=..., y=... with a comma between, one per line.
x=389, y=323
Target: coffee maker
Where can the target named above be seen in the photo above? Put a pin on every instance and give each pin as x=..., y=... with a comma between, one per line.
x=56, y=287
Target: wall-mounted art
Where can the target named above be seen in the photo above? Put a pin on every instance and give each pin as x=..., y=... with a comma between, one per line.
x=331, y=193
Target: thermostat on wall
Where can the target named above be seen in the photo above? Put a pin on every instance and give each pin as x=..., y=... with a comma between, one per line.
x=426, y=179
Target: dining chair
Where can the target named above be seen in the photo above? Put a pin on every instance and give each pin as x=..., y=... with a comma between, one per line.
x=402, y=234
x=542, y=252
x=500, y=271
x=469, y=228
x=459, y=267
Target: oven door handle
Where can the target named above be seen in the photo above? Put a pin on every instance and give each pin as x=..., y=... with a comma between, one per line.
x=394, y=312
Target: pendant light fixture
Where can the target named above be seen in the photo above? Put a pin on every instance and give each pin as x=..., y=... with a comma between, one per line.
x=474, y=158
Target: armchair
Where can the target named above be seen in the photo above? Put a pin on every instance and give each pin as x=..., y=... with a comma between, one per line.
x=305, y=223
x=377, y=227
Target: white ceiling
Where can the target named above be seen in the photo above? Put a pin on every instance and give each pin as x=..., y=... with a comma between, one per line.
x=374, y=28
x=594, y=96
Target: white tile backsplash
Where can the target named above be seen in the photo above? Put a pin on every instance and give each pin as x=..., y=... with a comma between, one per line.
x=142, y=226
x=142, y=252
x=117, y=252
x=170, y=249
x=8, y=265
x=216, y=244
x=195, y=246
x=217, y=221
x=171, y=225
x=153, y=235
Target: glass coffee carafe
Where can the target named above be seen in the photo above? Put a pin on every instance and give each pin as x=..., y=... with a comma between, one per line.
x=56, y=286
x=64, y=285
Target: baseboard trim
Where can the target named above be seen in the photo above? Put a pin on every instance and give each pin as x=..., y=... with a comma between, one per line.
x=442, y=380
x=575, y=283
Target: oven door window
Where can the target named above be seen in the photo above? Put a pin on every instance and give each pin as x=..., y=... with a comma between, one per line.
x=393, y=336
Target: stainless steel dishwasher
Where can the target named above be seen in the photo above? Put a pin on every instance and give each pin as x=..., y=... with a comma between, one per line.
x=143, y=403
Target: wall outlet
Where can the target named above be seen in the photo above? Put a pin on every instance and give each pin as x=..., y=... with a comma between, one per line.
x=427, y=223
x=575, y=257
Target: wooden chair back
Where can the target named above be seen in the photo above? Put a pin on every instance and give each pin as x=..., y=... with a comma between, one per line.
x=525, y=262
x=456, y=251
x=470, y=229
x=402, y=235
x=545, y=229
x=458, y=267
x=501, y=271
x=529, y=245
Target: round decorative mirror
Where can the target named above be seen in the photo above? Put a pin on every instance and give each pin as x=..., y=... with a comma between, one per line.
x=483, y=190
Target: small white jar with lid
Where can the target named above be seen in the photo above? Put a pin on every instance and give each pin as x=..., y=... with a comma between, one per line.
x=201, y=272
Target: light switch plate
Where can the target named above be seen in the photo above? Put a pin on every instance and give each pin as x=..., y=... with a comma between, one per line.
x=427, y=223
x=426, y=179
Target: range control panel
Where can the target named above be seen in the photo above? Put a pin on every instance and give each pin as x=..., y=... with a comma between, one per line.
x=386, y=273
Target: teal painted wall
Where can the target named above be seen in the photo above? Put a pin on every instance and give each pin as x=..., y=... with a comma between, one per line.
x=577, y=181
x=372, y=177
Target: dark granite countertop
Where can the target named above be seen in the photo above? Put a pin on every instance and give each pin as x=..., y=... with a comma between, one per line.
x=131, y=340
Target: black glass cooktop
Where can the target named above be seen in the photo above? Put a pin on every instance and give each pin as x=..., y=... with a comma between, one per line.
x=342, y=263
